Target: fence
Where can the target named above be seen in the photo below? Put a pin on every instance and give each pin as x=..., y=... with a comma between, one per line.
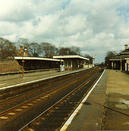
x=9, y=66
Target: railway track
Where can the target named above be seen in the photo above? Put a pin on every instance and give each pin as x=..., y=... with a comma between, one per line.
x=17, y=95
x=49, y=106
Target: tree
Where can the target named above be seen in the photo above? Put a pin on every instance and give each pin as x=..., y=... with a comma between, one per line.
x=7, y=49
x=24, y=47
x=109, y=55
x=90, y=58
x=64, y=51
x=23, y=42
x=69, y=50
x=35, y=49
x=48, y=50
x=75, y=50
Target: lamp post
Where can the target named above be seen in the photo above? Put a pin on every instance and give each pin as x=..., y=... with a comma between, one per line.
x=24, y=51
x=22, y=67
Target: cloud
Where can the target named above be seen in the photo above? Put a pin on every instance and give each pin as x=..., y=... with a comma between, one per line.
x=15, y=10
x=94, y=26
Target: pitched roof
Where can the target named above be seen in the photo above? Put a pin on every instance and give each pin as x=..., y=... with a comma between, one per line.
x=124, y=52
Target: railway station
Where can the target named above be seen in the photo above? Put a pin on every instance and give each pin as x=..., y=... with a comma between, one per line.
x=69, y=62
x=64, y=65
x=121, y=60
x=89, y=114
x=65, y=93
x=81, y=99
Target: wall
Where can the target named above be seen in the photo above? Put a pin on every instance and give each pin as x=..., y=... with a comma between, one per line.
x=9, y=66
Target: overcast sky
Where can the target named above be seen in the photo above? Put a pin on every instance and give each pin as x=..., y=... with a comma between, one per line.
x=96, y=26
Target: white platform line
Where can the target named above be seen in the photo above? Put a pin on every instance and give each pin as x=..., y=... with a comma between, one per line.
x=68, y=122
x=25, y=83
x=2, y=84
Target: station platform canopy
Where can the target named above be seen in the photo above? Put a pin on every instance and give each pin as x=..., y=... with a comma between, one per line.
x=70, y=57
x=32, y=63
x=72, y=62
x=35, y=58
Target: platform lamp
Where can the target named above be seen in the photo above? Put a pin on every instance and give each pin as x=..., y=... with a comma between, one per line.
x=24, y=51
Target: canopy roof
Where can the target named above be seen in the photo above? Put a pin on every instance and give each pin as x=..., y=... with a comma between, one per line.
x=70, y=57
x=34, y=58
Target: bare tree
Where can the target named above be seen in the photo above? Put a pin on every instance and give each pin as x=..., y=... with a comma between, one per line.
x=64, y=51
x=90, y=58
x=109, y=55
x=69, y=50
x=75, y=50
x=35, y=49
x=48, y=50
x=7, y=49
x=23, y=41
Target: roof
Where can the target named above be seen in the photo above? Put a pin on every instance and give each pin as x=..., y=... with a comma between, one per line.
x=123, y=55
x=115, y=59
x=119, y=57
x=70, y=57
x=125, y=52
x=34, y=58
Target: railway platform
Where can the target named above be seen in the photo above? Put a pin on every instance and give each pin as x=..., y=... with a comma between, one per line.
x=107, y=107
x=11, y=80
x=117, y=101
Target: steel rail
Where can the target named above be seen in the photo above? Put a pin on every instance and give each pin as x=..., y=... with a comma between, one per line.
x=77, y=78
x=65, y=81
x=50, y=108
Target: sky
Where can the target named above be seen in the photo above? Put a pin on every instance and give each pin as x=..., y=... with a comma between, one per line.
x=96, y=26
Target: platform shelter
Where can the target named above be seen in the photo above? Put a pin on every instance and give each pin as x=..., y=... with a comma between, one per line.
x=72, y=62
x=32, y=63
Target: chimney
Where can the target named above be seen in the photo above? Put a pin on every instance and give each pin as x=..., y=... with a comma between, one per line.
x=20, y=52
x=126, y=47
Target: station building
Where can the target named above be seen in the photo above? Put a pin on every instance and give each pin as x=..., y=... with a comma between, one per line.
x=121, y=60
x=73, y=62
x=33, y=63
x=66, y=62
